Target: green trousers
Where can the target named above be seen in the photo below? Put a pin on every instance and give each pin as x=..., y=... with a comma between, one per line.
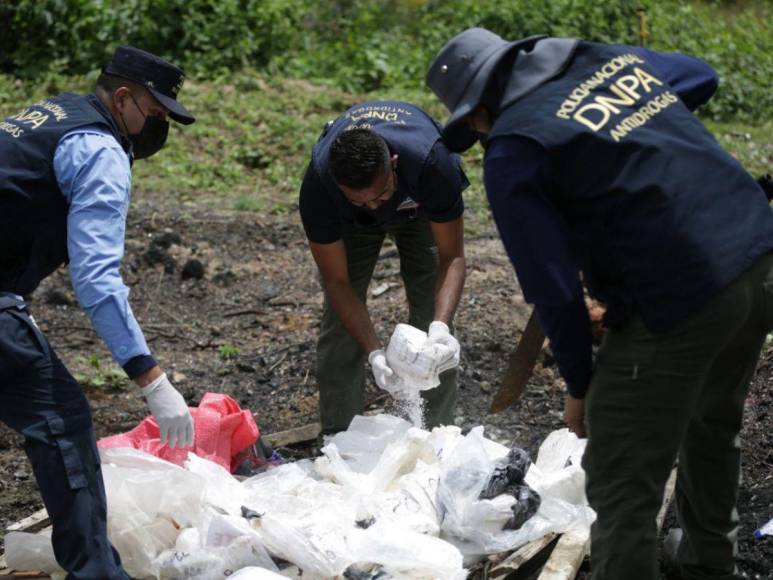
x=658, y=397
x=341, y=362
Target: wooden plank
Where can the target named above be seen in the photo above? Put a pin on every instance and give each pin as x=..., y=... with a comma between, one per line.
x=13, y=574
x=567, y=556
x=519, y=557
x=33, y=523
x=296, y=435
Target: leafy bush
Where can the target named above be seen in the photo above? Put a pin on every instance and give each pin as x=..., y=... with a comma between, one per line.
x=366, y=45
x=207, y=36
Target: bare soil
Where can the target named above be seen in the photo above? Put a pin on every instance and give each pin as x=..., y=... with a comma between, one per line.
x=259, y=293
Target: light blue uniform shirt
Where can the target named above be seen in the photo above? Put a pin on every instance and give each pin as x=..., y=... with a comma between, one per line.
x=94, y=173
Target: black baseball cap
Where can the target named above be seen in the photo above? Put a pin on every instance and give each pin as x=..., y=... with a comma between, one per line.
x=162, y=79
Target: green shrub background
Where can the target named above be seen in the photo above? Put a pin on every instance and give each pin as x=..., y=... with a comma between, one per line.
x=365, y=45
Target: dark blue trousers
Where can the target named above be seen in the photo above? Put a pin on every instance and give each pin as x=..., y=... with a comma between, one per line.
x=41, y=400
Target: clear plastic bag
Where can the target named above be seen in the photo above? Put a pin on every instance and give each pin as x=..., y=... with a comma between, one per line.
x=407, y=554
x=318, y=547
x=255, y=573
x=362, y=444
x=476, y=525
x=212, y=563
x=222, y=489
x=24, y=551
x=149, y=500
x=412, y=506
x=558, y=472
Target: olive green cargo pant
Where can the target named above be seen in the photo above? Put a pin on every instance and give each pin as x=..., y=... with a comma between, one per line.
x=654, y=398
x=341, y=362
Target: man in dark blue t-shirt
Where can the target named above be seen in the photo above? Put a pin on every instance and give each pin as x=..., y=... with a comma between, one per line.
x=380, y=169
x=598, y=173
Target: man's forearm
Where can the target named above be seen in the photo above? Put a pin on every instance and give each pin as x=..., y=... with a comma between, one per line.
x=353, y=314
x=448, y=291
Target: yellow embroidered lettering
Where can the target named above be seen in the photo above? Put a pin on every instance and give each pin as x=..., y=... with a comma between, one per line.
x=646, y=79
x=580, y=116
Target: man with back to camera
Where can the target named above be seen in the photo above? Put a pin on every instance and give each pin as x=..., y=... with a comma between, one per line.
x=379, y=169
x=65, y=180
x=594, y=163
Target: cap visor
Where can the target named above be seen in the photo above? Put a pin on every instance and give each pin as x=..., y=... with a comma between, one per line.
x=176, y=111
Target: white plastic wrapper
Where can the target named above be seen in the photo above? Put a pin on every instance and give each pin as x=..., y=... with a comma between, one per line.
x=362, y=444
x=255, y=573
x=475, y=525
x=384, y=496
x=408, y=554
x=317, y=545
x=558, y=472
x=222, y=489
x=213, y=563
x=25, y=551
x=149, y=500
x=416, y=363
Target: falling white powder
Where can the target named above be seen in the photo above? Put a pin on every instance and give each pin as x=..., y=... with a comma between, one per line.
x=410, y=406
x=416, y=365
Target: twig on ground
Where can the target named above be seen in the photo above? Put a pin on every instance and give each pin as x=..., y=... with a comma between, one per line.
x=277, y=363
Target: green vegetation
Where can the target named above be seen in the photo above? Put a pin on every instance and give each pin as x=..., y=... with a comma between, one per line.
x=265, y=75
x=366, y=45
x=228, y=352
x=107, y=377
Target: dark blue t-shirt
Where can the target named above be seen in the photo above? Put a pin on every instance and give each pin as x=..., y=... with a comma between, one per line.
x=430, y=180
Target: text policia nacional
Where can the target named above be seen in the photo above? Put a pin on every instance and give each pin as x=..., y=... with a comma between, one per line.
x=630, y=89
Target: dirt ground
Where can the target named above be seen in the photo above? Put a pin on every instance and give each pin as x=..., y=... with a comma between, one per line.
x=248, y=328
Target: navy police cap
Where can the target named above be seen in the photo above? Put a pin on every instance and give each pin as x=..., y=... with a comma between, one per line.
x=162, y=79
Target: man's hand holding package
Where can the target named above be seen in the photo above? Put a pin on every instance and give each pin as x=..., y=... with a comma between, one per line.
x=439, y=333
x=382, y=373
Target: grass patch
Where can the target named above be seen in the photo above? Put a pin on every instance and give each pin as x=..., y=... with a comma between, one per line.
x=251, y=143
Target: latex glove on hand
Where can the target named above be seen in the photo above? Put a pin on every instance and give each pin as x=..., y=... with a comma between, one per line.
x=439, y=333
x=384, y=376
x=170, y=412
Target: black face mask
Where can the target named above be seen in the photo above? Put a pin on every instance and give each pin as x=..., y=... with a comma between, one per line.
x=151, y=137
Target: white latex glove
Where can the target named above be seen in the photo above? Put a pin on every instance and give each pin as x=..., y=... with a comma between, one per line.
x=170, y=411
x=440, y=334
x=385, y=376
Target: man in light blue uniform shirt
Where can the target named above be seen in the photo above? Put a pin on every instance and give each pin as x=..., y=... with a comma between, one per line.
x=65, y=181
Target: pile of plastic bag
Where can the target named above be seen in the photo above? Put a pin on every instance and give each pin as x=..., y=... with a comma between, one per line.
x=385, y=500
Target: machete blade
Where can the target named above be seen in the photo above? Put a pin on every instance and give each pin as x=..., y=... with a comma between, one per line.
x=520, y=367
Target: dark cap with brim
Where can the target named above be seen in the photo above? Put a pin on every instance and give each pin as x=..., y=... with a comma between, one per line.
x=162, y=79
x=460, y=74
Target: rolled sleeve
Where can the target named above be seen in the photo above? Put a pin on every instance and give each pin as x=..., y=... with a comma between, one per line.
x=94, y=174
